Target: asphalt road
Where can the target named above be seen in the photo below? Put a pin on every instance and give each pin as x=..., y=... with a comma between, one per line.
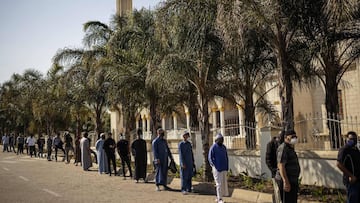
x=25, y=179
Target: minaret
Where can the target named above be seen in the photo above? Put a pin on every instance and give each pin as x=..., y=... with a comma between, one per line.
x=123, y=7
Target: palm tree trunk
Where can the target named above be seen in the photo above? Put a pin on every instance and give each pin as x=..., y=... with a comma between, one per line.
x=332, y=107
x=205, y=131
x=285, y=84
x=249, y=112
x=153, y=116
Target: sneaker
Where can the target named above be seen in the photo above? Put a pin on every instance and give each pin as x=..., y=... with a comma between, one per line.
x=157, y=188
x=221, y=201
x=184, y=192
x=167, y=188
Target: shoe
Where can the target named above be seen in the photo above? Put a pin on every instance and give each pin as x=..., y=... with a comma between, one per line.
x=167, y=188
x=221, y=201
x=157, y=188
x=184, y=192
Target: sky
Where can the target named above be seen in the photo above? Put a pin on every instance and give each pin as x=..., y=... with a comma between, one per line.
x=32, y=31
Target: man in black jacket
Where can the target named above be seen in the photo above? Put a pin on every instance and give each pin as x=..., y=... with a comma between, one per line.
x=109, y=147
x=124, y=152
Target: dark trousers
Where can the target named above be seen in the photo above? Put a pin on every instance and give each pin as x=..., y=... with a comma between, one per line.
x=5, y=147
x=125, y=159
x=41, y=151
x=13, y=147
x=56, y=151
x=67, y=150
x=49, y=150
x=353, y=192
x=32, y=151
x=111, y=157
x=292, y=195
x=20, y=148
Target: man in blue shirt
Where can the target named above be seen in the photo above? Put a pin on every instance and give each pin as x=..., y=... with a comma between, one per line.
x=186, y=163
x=161, y=157
x=219, y=161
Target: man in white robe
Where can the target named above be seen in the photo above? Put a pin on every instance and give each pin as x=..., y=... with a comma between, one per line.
x=85, y=152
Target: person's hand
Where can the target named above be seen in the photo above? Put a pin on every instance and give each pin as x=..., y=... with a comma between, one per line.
x=157, y=161
x=287, y=186
x=184, y=166
x=352, y=179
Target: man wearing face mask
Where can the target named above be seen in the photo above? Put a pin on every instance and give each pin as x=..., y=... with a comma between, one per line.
x=219, y=161
x=348, y=162
x=289, y=169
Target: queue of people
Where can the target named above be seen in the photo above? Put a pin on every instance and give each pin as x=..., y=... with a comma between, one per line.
x=281, y=158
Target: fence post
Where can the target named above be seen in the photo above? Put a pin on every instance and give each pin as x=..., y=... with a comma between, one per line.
x=265, y=137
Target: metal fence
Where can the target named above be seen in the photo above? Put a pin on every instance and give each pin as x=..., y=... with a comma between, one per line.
x=312, y=131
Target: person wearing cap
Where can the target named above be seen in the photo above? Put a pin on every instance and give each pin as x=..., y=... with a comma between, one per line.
x=187, y=165
x=348, y=162
x=287, y=177
x=162, y=154
x=219, y=161
x=101, y=155
x=139, y=151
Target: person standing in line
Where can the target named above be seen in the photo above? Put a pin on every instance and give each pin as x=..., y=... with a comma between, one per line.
x=348, y=161
x=271, y=161
x=123, y=150
x=68, y=146
x=58, y=144
x=12, y=143
x=219, y=161
x=41, y=143
x=77, y=151
x=85, y=152
x=187, y=164
x=31, y=144
x=92, y=151
x=101, y=156
x=49, y=145
x=20, y=142
x=287, y=177
x=139, y=151
x=109, y=147
x=162, y=154
x=5, y=142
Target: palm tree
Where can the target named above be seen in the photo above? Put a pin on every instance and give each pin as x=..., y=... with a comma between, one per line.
x=189, y=30
x=249, y=63
x=279, y=26
x=87, y=77
x=331, y=31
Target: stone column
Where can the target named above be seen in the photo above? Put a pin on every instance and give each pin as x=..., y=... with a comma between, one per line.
x=213, y=110
x=265, y=138
x=175, y=121
x=163, y=122
x=241, y=121
x=222, y=120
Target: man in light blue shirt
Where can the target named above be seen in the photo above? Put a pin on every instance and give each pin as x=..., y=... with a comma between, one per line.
x=219, y=161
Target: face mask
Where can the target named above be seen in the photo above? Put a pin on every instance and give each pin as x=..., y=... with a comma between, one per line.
x=350, y=143
x=293, y=141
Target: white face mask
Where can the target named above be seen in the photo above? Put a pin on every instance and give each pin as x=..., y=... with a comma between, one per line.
x=293, y=141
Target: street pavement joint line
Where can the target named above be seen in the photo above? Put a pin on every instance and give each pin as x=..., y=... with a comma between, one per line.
x=6, y=169
x=52, y=193
x=22, y=177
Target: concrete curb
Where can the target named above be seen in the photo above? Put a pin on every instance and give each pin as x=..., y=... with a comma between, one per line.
x=238, y=194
